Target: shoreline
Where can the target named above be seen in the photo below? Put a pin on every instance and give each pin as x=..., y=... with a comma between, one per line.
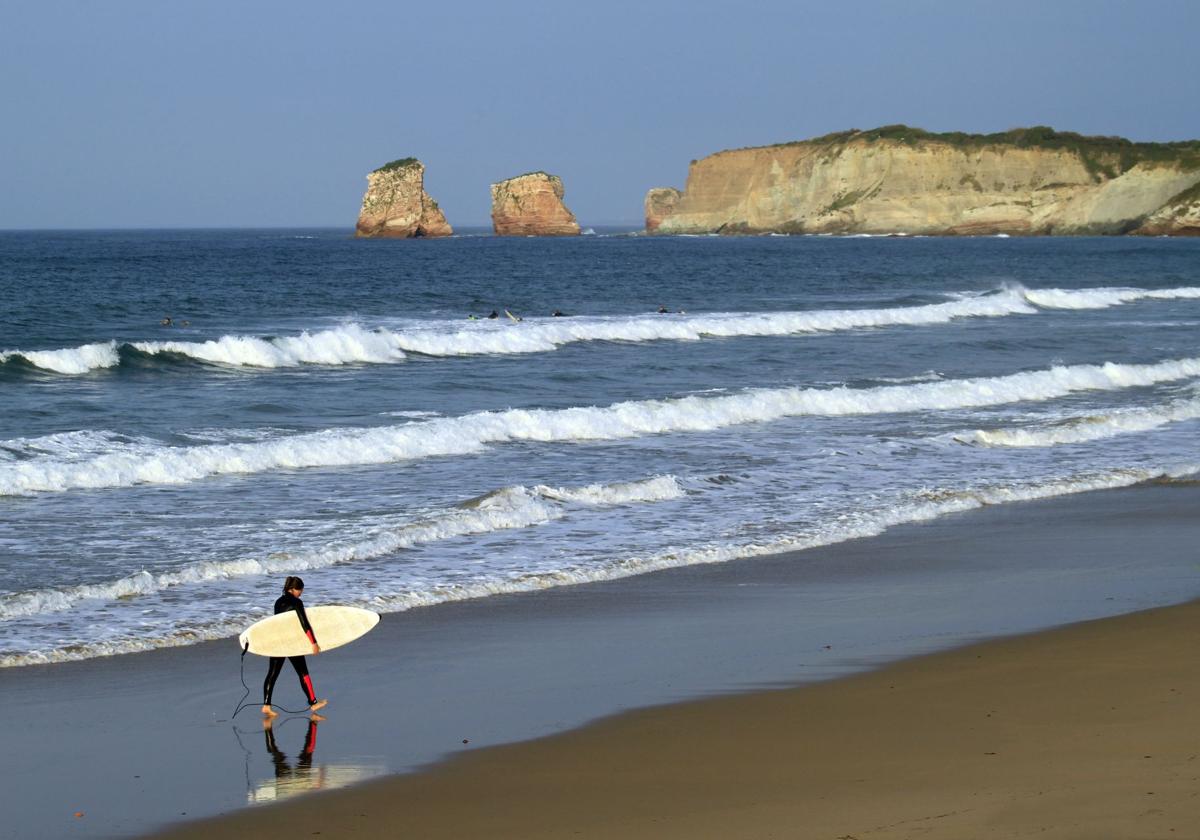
x=1079, y=731
x=517, y=668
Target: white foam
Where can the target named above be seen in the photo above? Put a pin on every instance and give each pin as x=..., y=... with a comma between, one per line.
x=505, y=509
x=474, y=432
x=1103, y=298
x=356, y=344
x=656, y=489
x=77, y=445
x=918, y=506
x=70, y=360
x=1087, y=428
x=414, y=415
x=347, y=344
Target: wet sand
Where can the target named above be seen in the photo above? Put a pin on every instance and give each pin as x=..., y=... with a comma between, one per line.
x=1089, y=731
x=1086, y=731
x=142, y=741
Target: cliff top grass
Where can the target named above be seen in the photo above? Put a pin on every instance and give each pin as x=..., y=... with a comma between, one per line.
x=401, y=163
x=1103, y=156
x=527, y=174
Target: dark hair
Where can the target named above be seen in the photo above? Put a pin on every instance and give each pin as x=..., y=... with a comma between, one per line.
x=292, y=582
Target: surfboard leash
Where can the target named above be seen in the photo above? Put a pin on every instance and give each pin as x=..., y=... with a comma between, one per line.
x=242, y=704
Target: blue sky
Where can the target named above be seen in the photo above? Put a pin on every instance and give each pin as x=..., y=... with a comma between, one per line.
x=177, y=114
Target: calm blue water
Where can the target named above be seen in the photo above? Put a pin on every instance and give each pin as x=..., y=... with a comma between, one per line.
x=327, y=407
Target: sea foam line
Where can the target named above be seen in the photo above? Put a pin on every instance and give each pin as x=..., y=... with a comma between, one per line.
x=356, y=344
x=1086, y=428
x=505, y=509
x=473, y=433
x=1102, y=298
x=920, y=506
x=70, y=360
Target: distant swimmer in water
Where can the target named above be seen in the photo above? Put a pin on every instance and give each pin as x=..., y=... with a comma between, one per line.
x=293, y=588
x=185, y=324
x=166, y=321
x=557, y=313
x=662, y=310
x=472, y=317
x=494, y=314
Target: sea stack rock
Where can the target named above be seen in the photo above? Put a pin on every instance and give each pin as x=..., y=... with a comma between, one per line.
x=397, y=206
x=660, y=203
x=901, y=180
x=531, y=205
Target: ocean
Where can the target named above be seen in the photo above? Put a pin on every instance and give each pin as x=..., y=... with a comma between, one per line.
x=345, y=410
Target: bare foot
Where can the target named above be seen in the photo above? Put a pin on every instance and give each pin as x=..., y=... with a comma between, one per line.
x=316, y=718
x=268, y=722
x=269, y=712
x=320, y=704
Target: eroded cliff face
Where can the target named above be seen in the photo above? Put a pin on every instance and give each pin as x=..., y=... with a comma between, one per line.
x=531, y=205
x=396, y=204
x=660, y=203
x=889, y=181
x=1179, y=217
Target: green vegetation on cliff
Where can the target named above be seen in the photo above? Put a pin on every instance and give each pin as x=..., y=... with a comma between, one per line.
x=527, y=174
x=1104, y=157
x=1189, y=196
x=402, y=163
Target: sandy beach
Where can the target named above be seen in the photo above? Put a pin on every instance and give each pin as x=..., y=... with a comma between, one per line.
x=1076, y=732
x=740, y=699
x=1082, y=732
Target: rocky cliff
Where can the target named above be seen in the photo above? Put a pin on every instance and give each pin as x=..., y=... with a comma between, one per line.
x=531, y=205
x=1178, y=217
x=903, y=180
x=660, y=203
x=396, y=204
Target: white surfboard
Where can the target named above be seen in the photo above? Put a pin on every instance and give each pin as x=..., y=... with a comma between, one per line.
x=282, y=635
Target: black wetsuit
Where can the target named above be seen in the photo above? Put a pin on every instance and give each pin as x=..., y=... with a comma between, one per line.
x=286, y=603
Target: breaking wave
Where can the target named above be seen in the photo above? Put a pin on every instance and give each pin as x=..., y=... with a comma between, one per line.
x=473, y=433
x=1103, y=298
x=355, y=344
x=71, y=360
x=1087, y=428
x=505, y=509
x=919, y=506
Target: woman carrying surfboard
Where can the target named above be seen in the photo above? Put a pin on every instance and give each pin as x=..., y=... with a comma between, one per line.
x=293, y=587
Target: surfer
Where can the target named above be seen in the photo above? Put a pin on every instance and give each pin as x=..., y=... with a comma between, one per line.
x=293, y=588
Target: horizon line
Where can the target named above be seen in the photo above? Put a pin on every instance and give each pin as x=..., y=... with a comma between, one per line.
x=348, y=228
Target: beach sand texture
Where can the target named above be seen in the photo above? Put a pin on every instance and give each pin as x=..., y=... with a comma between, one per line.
x=1084, y=732
x=1088, y=731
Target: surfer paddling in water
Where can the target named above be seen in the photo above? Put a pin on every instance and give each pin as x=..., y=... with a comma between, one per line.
x=293, y=587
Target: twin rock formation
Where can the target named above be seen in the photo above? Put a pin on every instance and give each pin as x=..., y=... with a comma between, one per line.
x=396, y=205
x=890, y=180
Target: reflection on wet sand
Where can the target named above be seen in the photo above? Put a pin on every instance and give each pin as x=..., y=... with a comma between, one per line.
x=302, y=775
